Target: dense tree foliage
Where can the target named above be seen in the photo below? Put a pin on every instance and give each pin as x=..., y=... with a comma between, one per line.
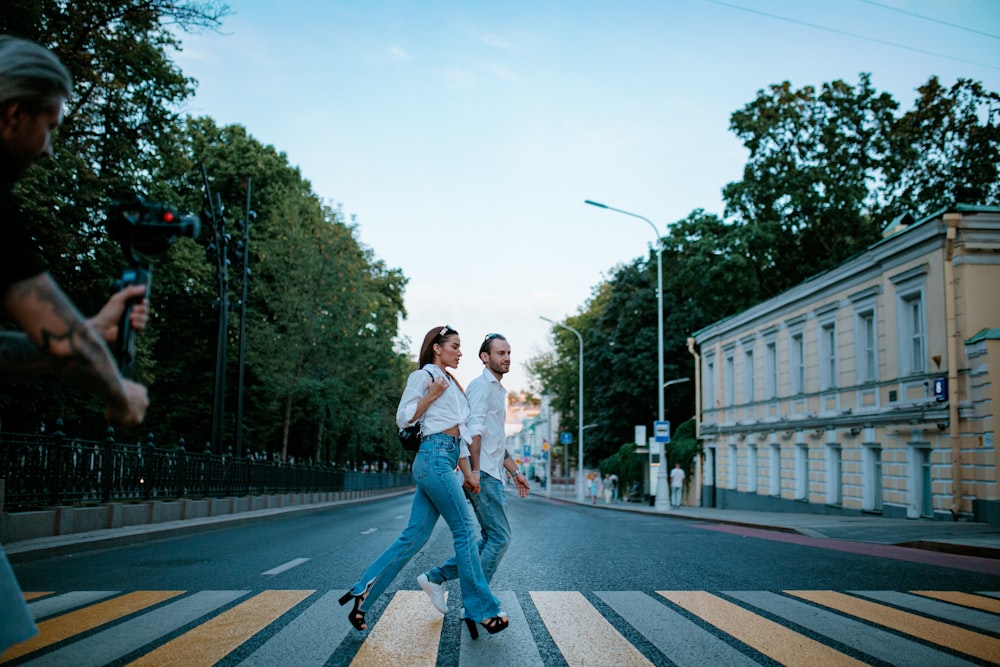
x=322, y=310
x=118, y=125
x=827, y=172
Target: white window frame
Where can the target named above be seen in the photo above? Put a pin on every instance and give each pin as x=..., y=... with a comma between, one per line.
x=911, y=320
x=828, y=354
x=774, y=465
x=866, y=345
x=771, y=369
x=709, y=382
x=797, y=361
x=913, y=333
x=729, y=378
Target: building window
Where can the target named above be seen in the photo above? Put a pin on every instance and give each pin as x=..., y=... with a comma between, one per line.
x=748, y=380
x=867, y=358
x=729, y=381
x=775, y=470
x=802, y=472
x=771, y=370
x=828, y=355
x=871, y=498
x=834, y=476
x=797, y=372
x=733, y=469
x=710, y=383
x=912, y=334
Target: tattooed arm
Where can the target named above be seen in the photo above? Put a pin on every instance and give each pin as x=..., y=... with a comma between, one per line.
x=64, y=341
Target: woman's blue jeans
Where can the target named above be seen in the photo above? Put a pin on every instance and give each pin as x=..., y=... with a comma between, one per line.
x=490, y=505
x=439, y=493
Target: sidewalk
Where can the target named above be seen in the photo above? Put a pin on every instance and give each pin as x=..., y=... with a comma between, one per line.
x=957, y=537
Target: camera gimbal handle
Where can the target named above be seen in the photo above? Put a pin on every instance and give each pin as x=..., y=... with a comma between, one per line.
x=138, y=272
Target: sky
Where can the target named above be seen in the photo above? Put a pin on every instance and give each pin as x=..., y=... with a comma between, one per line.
x=462, y=138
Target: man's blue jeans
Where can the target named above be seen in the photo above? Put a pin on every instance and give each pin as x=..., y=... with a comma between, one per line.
x=490, y=505
x=439, y=493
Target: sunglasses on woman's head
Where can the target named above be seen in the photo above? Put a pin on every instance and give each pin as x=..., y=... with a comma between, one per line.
x=445, y=330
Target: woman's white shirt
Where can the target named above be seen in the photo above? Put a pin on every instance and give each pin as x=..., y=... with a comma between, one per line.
x=449, y=409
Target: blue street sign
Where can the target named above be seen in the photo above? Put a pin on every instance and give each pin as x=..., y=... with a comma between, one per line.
x=566, y=438
x=941, y=389
x=661, y=431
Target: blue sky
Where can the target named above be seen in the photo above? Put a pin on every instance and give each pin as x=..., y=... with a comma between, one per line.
x=464, y=136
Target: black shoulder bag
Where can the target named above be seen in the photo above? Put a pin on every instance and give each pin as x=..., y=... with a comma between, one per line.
x=409, y=437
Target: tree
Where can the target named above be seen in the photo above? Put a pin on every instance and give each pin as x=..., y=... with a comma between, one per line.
x=946, y=150
x=807, y=194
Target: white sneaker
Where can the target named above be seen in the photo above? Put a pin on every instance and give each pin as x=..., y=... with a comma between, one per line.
x=436, y=592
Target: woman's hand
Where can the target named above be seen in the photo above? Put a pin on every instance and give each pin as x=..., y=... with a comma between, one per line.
x=436, y=387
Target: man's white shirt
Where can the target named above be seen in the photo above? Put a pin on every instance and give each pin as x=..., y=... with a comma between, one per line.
x=487, y=418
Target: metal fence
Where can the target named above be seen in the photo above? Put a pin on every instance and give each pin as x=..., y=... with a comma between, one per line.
x=53, y=469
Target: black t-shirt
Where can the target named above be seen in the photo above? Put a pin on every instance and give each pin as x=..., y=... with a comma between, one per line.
x=19, y=257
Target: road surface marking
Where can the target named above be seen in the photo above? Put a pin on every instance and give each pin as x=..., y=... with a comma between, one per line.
x=213, y=640
x=583, y=635
x=958, y=639
x=287, y=566
x=773, y=640
x=63, y=627
x=407, y=633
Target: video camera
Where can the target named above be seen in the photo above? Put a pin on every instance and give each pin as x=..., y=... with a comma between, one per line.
x=142, y=229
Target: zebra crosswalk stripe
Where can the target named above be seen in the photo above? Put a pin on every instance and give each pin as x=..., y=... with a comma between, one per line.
x=684, y=628
x=958, y=639
x=581, y=632
x=69, y=625
x=964, y=599
x=867, y=639
x=216, y=638
x=773, y=640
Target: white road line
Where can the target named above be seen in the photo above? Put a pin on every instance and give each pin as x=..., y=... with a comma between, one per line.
x=369, y=531
x=287, y=566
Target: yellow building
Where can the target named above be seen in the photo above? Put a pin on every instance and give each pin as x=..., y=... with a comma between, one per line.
x=872, y=387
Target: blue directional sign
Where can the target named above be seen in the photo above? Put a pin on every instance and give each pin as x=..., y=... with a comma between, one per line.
x=566, y=438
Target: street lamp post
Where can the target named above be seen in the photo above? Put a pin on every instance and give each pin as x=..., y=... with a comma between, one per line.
x=662, y=488
x=659, y=302
x=579, y=464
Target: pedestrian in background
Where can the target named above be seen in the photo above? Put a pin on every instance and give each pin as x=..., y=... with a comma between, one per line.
x=53, y=336
x=676, y=485
x=435, y=399
x=490, y=463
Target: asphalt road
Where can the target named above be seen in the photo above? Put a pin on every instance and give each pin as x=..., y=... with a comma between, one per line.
x=572, y=575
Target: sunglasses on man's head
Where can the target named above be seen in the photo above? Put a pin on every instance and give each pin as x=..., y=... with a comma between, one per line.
x=495, y=335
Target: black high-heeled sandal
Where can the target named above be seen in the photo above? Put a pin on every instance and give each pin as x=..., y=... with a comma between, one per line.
x=492, y=625
x=356, y=617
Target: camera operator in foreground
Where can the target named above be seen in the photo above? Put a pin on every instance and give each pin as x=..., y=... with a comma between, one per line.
x=34, y=86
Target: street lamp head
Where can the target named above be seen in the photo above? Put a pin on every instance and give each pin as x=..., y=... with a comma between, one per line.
x=595, y=203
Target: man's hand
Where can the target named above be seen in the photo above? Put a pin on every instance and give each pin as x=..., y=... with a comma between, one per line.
x=471, y=483
x=105, y=322
x=133, y=410
x=521, y=482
